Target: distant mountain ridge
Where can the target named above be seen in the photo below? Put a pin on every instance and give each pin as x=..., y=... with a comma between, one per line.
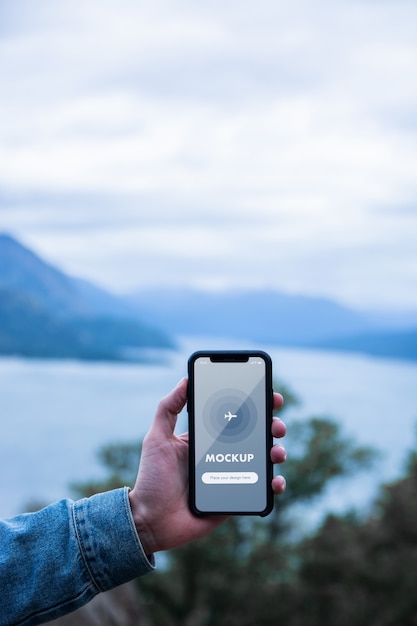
x=400, y=344
x=271, y=317
x=23, y=271
x=263, y=316
x=45, y=313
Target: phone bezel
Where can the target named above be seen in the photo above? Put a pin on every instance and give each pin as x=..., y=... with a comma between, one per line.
x=225, y=356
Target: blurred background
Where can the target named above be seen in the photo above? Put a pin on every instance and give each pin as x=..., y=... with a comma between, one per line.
x=186, y=175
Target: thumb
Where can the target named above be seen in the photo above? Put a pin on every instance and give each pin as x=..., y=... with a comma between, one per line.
x=169, y=408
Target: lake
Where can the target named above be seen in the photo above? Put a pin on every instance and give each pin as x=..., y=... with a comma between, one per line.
x=57, y=414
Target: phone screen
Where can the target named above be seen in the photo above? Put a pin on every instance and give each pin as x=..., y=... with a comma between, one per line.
x=231, y=412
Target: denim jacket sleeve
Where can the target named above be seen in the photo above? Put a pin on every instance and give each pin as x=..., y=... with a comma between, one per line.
x=57, y=559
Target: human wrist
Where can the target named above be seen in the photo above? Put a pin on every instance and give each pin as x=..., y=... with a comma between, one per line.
x=143, y=528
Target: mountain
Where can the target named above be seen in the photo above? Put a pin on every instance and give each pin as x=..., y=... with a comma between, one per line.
x=27, y=330
x=400, y=344
x=46, y=313
x=270, y=317
x=24, y=272
x=260, y=316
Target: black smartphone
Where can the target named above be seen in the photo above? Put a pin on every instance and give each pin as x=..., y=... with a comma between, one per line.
x=230, y=404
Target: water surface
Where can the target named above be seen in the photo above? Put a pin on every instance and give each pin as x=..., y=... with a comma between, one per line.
x=56, y=414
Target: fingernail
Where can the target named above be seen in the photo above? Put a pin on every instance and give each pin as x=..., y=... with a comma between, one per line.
x=277, y=445
x=283, y=481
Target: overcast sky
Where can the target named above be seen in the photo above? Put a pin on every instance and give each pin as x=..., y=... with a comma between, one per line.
x=215, y=144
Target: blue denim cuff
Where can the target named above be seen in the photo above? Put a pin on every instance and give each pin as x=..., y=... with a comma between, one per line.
x=108, y=540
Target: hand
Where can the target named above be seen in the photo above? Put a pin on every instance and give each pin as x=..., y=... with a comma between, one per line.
x=159, y=499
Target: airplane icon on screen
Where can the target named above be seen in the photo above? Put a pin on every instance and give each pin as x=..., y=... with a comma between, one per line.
x=229, y=416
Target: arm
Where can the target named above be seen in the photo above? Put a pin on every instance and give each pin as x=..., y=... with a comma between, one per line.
x=57, y=559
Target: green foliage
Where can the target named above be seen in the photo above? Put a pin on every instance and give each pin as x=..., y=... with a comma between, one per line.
x=319, y=453
x=229, y=578
x=234, y=575
x=250, y=571
x=362, y=573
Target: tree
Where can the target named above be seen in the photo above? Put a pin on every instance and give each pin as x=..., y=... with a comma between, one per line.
x=362, y=572
x=235, y=575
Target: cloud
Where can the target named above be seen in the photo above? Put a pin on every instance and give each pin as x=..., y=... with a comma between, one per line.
x=215, y=143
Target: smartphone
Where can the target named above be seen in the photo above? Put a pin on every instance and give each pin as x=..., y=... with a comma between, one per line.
x=230, y=403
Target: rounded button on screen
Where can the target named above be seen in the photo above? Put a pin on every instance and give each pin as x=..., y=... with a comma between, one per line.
x=229, y=478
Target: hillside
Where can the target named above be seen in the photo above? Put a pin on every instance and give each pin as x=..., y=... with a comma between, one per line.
x=270, y=317
x=259, y=316
x=45, y=313
x=400, y=344
x=24, y=272
x=27, y=330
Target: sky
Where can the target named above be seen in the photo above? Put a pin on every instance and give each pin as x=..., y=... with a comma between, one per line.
x=216, y=145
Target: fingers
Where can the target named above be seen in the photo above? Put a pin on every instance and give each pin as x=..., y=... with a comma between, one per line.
x=172, y=404
x=278, y=401
x=169, y=407
x=278, y=428
x=278, y=485
x=278, y=454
